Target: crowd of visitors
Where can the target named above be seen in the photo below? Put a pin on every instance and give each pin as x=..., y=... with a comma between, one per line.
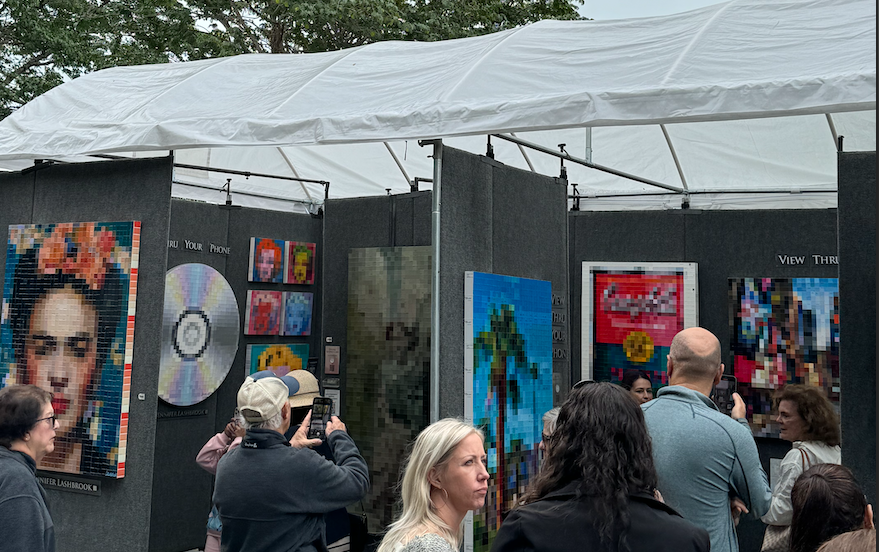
x=620, y=471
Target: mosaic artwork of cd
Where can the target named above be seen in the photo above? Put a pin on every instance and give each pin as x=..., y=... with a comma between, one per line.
x=199, y=333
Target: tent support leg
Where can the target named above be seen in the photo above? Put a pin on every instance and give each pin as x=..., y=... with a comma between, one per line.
x=435, y=278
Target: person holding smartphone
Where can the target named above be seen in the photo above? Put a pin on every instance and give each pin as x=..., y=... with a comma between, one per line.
x=273, y=493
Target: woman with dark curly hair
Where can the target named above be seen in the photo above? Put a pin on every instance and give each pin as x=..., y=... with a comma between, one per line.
x=827, y=501
x=808, y=420
x=595, y=490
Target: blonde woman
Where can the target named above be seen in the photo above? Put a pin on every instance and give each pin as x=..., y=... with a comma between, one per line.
x=445, y=477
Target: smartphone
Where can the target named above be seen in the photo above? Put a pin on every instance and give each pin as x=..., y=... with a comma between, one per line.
x=722, y=394
x=321, y=409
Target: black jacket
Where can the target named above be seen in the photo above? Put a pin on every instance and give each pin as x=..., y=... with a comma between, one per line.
x=562, y=522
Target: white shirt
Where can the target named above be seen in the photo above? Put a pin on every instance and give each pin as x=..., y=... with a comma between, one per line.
x=816, y=452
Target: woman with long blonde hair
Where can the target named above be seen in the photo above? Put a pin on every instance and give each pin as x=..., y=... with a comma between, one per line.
x=444, y=478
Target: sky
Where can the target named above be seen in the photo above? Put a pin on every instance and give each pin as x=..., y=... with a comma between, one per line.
x=625, y=9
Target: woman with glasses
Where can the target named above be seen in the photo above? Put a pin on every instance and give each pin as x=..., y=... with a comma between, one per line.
x=27, y=434
x=595, y=488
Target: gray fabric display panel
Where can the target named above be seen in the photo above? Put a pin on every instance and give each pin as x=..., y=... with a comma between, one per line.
x=135, y=190
x=499, y=220
x=220, y=238
x=857, y=315
x=724, y=244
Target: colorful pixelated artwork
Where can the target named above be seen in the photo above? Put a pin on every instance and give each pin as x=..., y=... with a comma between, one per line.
x=631, y=312
x=387, y=364
x=68, y=327
x=783, y=331
x=300, y=263
x=280, y=358
x=507, y=386
x=266, y=261
x=297, y=313
x=263, y=312
x=199, y=333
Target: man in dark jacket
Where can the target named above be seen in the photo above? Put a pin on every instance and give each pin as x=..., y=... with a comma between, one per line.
x=271, y=493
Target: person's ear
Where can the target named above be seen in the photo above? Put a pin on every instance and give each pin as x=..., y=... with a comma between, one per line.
x=868, y=517
x=669, y=365
x=433, y=478
x=285, y=411
x=719, y=375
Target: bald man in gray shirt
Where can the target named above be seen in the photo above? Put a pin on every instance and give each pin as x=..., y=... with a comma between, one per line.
x=704, y=458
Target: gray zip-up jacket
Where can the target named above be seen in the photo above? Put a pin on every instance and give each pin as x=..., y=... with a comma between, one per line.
x=273, y=497
x=701, y=456
x=24, y=517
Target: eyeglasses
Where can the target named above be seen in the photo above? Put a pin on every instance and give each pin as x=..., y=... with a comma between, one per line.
x=582, y=383
x=52, y=419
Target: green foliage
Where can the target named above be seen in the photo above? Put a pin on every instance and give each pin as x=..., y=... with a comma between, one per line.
x=45, y=42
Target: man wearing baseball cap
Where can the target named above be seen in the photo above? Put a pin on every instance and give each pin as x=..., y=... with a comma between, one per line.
x=272, y=493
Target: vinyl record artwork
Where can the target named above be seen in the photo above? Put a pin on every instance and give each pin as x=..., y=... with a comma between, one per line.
x=199, y=334
x=631, y=312
x=300, y=263
x=507, y=386
x=263, y=312
x=296, y=318
x=280, y=358
x=266, y=261
x=783, y=330
x=67, y=326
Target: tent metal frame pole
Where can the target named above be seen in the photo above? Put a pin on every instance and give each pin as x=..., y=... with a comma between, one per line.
x=833, y=131
x=399, y=164
x=706, y=192
x=524, y=154
x=568, y=157
x=674, y=155
x=248, y=174
x=435, y=278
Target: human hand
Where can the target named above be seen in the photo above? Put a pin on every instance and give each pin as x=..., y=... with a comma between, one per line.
x=737, y=507
x=739, y=410
x=300, y=438
x=231, y=429
x=335, y=424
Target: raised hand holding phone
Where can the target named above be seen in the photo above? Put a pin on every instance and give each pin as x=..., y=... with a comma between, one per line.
x=300, y=439
x=321, y=409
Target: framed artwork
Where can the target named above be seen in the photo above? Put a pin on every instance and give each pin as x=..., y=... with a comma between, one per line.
x=263, y=312
x=387, y=364
x=280, y=358
x=69, y=298
x=507, y=386
x=266, y=261
x=631, y=312
x=297, y=313
x=783, y=330
x=300, y=263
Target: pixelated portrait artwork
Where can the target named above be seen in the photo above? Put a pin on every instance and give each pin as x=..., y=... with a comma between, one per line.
x=631, y=312
x=263, y=312
x=280, y=358
x=297, y=313
x=68, y=327
x=266, y=261
x=507, y=385
x=783, y=331
x=387, y=364
x=300, y=263
x=200, y=332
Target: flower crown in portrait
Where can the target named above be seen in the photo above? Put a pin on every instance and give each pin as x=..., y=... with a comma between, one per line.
x=82, y=251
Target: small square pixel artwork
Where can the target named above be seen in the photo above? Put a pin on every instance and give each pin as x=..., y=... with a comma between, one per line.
x=263, y=312
x=783, y=331
x=387, y=364
x=68, y=327
x=297, y=313
x=507, y=385
x=631, y=312
x=280, y=358
x=266, y=261
x=300, y=263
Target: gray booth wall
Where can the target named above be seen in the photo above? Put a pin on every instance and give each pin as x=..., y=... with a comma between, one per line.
x=857, y=315
x=724, y=244
x=181, y=490
x=499, y=220
x=109, y=191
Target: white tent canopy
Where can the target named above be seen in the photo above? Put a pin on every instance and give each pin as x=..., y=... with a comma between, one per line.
x=739, y=104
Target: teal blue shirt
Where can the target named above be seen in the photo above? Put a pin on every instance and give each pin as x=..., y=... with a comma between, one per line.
x=701, y=457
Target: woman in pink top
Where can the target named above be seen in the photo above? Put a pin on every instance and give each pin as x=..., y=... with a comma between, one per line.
x=208, y=458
